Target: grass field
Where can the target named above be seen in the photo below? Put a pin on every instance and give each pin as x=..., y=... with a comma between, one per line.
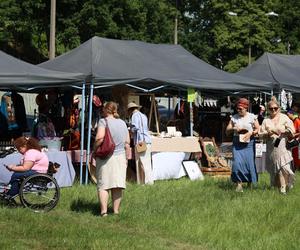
x=175, y=214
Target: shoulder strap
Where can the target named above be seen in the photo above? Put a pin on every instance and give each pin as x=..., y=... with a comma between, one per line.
x=141, y=121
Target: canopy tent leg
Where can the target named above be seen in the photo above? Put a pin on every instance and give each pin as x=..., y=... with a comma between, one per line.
x=155, y=114
x=169, y=107
x=150, y=114
x=89, y=131
x=82, y=130
x=191, y=119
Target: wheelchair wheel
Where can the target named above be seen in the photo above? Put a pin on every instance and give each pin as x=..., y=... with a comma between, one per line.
x=39, y=192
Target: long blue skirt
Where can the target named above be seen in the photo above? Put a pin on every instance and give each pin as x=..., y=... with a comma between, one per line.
x=243, y=165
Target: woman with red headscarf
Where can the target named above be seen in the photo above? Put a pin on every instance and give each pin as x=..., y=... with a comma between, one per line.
x=244, y=126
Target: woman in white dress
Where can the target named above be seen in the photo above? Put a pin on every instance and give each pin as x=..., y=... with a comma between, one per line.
x=278, y=128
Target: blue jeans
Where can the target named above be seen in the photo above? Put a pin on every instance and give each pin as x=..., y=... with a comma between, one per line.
x=15, y=183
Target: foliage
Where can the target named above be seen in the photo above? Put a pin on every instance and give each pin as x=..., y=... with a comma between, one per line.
x=204, y=26
x=173, y=214
x=230, y=37
x=25, y=24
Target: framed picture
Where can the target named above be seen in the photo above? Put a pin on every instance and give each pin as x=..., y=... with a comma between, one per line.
x=192, y=169
x=258, y=149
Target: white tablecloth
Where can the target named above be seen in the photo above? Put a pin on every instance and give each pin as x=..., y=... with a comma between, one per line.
x=168, y=165
x=168, y=154
x=65, y=176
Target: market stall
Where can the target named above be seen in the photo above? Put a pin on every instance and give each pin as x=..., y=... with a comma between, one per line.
x=18, y=76
x=145, y=67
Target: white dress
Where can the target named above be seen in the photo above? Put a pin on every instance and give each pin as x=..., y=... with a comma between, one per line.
x=278, y=157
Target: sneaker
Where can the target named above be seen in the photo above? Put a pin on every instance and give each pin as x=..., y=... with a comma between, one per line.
x=283, y=190
x=239, y=188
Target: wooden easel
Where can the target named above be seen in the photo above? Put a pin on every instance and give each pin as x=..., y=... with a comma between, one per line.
x=153, y=107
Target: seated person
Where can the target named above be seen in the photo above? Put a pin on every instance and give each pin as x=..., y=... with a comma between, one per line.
x=33, y=161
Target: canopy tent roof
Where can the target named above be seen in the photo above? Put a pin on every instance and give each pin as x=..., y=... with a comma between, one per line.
x=112, y=62
x=20, y=75
x=282, y=70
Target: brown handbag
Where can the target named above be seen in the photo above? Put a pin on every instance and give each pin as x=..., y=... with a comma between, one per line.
x=141, y=147
x=107, y=147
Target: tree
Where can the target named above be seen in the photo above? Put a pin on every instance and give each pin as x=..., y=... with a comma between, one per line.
x=230, y=37
x=204, y=26
x=26, y=24
x=289, y=25
x=21, y=34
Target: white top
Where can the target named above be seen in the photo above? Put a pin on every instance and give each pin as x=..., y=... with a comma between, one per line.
x=245, y=122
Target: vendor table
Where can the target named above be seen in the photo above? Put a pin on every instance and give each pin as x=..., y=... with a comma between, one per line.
x=65, y=175
x=168, y=154
x=75, y=155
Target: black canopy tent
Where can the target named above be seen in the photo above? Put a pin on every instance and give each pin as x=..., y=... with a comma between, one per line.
x=112, y=62
x=25, y=77
x=282, y=70
x=147, y=67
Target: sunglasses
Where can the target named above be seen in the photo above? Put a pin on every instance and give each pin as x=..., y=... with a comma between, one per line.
x=274, y=108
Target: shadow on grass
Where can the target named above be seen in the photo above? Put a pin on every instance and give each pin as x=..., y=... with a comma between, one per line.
x=228, y=186
x=83, y=206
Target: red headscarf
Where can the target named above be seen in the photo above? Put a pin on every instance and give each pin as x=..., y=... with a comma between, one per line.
x=243, y=103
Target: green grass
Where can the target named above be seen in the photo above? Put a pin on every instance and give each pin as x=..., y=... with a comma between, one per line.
x=175, y=214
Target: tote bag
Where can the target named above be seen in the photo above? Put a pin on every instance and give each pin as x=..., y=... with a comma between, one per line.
x=107, y=147
x=141, y=147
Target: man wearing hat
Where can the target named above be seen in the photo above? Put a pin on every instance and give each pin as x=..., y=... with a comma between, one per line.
x=139, y=122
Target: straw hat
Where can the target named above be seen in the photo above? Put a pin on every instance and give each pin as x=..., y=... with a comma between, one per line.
x=132, y=105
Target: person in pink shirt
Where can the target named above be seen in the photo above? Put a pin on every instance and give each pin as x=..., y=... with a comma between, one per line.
x=33, y=161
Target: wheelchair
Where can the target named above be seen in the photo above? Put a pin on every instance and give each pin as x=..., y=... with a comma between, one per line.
x=38, y=192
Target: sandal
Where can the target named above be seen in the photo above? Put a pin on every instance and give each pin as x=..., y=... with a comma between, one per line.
x=103, y=214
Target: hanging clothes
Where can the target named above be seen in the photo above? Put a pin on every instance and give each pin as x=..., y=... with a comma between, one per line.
x=283, y=100
x=8, y=111
x=20, y=112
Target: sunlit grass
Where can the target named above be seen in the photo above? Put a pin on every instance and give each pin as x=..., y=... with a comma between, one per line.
x=175, y=214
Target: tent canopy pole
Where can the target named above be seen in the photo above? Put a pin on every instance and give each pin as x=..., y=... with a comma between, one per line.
x=88, y=150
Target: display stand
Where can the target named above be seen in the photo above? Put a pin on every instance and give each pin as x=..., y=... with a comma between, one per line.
x=153, y=109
